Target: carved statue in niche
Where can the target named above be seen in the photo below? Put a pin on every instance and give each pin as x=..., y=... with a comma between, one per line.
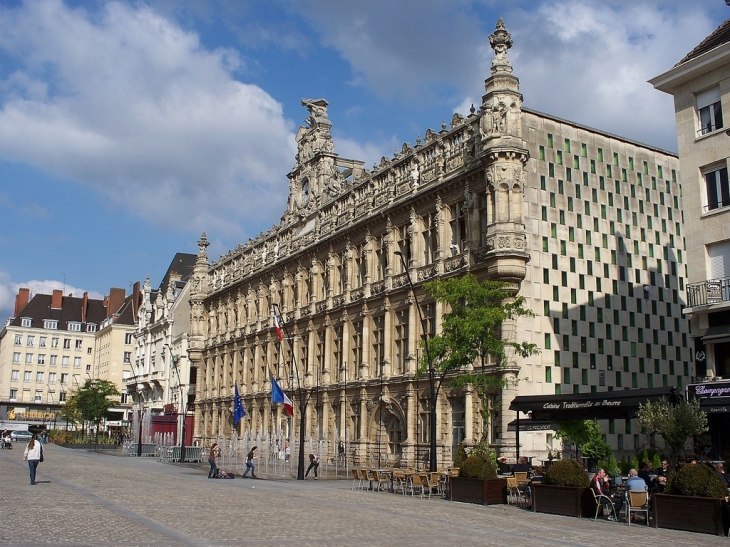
x=468, y=200
x=415, y=174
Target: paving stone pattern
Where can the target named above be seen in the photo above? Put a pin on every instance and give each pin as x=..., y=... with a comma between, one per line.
x=87, y=499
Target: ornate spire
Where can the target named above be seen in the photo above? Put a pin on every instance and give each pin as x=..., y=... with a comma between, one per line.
x=500, y=42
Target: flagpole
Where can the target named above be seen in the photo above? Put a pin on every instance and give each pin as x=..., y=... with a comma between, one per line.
x=302, y=401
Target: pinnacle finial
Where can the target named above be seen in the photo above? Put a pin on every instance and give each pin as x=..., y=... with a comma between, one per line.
x=500, y=41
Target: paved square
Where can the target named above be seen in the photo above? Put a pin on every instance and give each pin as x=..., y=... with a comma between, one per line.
x=90, y=499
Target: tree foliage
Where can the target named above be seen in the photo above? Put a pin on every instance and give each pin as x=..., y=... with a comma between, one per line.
x=586, y=435
x=471, y=332
x=675, y=422
x=92, y=399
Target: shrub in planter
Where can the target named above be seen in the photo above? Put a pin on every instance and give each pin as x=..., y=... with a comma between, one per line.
x=566, y=473
x=460, y=455
x=476, y=467
x=696, y=480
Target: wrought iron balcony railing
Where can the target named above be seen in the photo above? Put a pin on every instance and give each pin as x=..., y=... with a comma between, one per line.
x=705, y=293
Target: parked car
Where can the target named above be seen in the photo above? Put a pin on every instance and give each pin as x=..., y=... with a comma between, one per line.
x=21, y=436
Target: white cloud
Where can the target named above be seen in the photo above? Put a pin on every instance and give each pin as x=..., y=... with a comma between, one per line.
x=9, y=290
x=128, y=103
x=589, y=62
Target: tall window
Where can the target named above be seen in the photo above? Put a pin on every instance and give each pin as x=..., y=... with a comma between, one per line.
x=458, y=228
x=356, y=349
x=401, y=341
x=709, y=110
x=378, y=344
x=430, y=242
x=320, y=352
x=381, y=258
x=718, y=192
x=403, y=244
x=337, y=354
x=359, y=268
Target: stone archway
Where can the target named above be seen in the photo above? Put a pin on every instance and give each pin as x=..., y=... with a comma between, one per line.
x=386, y=431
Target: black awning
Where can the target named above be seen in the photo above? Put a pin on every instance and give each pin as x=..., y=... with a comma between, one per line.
x=576, y=406
x=715, y=405
x=532, y=425
x=717, y=335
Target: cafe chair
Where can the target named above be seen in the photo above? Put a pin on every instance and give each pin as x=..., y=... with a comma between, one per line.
x=637, y=502
x=381, y=479
x=356, y=479
x=605, y=501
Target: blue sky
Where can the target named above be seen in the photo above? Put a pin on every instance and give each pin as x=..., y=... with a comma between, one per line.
x=129, y=128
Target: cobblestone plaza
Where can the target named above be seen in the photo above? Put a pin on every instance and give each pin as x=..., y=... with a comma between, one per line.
x=90, y=499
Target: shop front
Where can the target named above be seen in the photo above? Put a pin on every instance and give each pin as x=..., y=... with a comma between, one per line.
x=714, y=399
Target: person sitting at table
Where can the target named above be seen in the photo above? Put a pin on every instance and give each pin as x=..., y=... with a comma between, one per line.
x=522, y=465
x=660, y=480
x=601, y=486
x=646, y=472
x=635, y=482
x=502, y=467
x=720, y=468
x=535, y=479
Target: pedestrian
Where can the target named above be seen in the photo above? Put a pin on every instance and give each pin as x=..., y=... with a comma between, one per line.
x=213, y=461
x=287, y=451
x=249, y=463
x=33, y=454
x=341, y=451
x=313, y=464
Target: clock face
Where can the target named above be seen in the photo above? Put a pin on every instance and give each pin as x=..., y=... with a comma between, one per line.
x=304, y=194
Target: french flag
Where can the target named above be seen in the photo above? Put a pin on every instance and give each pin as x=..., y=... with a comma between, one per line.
x=278, y=397
x=276, y=322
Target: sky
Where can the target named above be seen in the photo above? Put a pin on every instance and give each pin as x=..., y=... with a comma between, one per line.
x=128, y=128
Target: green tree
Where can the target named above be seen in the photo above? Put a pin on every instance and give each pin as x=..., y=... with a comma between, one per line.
x=586, y=435
x=92, y=400
x=675, y=422
x=471, y=333
x=69, y=411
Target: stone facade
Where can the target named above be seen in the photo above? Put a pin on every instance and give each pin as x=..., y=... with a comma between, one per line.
x=577, y=220
x=700, y=84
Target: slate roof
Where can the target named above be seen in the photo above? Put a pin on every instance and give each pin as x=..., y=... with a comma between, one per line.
x=720, y=36
x=183, y=264
x=39, y=308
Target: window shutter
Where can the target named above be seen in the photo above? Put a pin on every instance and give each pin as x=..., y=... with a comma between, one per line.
x=708, y=97
x=719, y=258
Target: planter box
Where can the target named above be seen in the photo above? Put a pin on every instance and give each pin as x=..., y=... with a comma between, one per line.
x=689, y=513
x=480, y=491
x=88, y=446
x=569, y=501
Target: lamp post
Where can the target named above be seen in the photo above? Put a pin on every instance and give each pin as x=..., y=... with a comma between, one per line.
x=139, y=402
x=433, y=392
x=302, y=400
x=183, y=401
x=380, y=406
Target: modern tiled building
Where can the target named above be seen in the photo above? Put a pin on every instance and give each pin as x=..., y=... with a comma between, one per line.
x=700, y=84
x=586, y=225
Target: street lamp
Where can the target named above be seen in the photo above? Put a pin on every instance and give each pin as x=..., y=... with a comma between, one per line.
x=301, y=391
x=433, y=394
x=141, y=411
x=183, y=401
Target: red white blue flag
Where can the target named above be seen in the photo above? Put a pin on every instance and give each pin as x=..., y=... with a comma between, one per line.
x=278, y=397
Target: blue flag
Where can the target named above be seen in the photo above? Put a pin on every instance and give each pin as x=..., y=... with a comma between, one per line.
x=238, y=410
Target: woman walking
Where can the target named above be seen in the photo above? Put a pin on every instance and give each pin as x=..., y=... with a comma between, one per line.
x=33, y=454
x=249, y=463
x=212, y=460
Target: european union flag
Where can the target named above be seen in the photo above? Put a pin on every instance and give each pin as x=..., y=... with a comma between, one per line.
x=238, y=410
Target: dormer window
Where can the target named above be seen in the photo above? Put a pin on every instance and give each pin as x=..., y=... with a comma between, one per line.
x=26, y=322
x=74, y=326
x=709, y=110
x=51, y=324
x=91, y=327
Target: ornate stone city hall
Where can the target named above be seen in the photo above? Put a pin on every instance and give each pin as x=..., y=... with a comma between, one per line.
x=585, y=224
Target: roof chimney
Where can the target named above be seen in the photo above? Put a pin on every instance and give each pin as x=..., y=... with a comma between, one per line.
x=84, y=307
x=57, y=299
x=115, y=300
x=21, y=300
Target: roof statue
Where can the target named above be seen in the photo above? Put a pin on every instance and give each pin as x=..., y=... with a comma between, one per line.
x=500, y=42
